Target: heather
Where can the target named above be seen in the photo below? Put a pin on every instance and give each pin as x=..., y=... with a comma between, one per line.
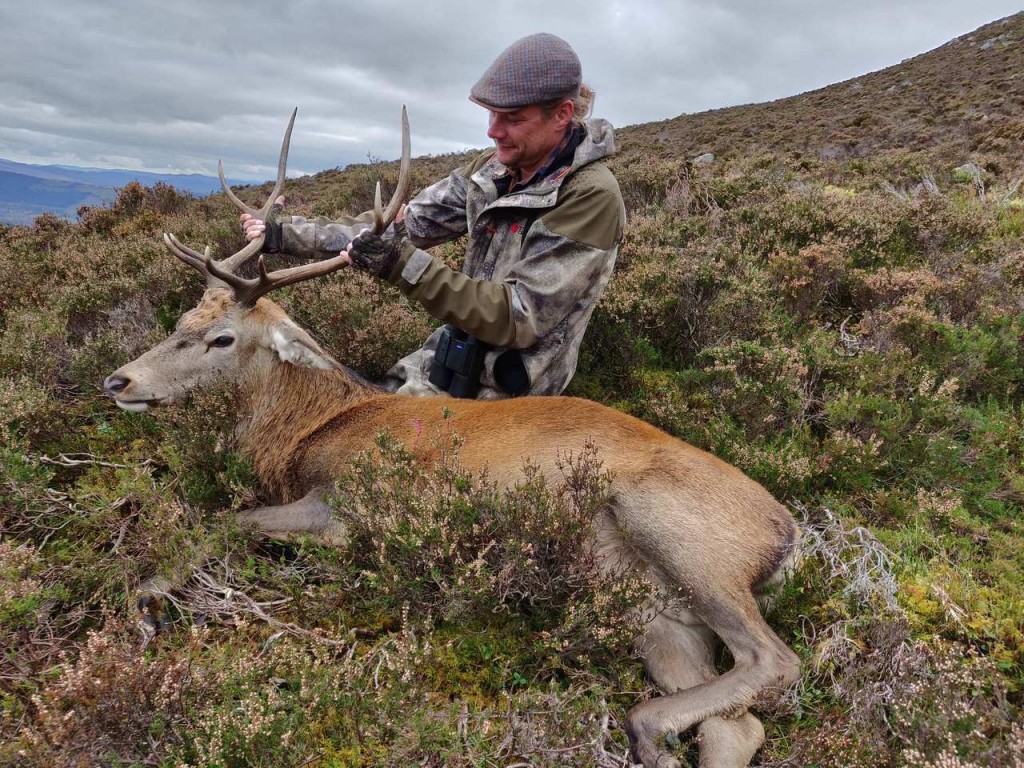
x=846, y=327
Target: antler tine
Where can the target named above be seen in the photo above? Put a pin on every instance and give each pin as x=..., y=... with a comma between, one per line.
x=194, y=259
x=199, y=261
x=233, y=262
x=231, y=195
x=247, y=292
x=383, y=220
x=237, y=259
x=239, y=285
x=378, y=212
x=282, y=164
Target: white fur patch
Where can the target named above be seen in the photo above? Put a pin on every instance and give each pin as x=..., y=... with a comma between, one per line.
x=294, y=351
x=135, y=407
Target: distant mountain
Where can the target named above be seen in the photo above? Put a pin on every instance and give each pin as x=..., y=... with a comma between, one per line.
x=28, y=190
x=23, y=198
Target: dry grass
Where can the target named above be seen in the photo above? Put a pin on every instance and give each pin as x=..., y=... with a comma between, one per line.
x=827, y=305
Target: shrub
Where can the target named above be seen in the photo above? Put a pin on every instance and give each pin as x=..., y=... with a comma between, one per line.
x=457, y=547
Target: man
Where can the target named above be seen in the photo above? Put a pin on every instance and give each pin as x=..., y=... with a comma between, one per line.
x=543, y=215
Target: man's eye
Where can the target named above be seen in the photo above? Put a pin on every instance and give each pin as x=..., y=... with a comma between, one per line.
x=223, y=341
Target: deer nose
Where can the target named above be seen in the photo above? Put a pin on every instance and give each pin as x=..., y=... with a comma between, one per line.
x=115, y=384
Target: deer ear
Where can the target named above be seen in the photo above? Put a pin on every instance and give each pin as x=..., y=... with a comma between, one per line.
x=293, y=345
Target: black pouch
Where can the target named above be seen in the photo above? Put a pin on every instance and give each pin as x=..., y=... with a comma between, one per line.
x=510, y=373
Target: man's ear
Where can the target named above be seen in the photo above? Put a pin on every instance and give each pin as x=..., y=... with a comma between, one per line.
x=565, y=112
x=293, y=345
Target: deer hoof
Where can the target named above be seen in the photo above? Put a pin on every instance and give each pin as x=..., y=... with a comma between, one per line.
x=150, y=603
x=643, y=748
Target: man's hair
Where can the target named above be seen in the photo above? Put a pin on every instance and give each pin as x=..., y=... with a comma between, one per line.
x=582, y=103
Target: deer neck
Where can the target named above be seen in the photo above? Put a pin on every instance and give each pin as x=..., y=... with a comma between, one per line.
x=286, y=404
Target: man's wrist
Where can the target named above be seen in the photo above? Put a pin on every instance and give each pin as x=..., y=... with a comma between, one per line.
x=405, y=251
x=273, y=236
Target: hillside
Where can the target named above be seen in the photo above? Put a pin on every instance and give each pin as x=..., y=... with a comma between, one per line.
x=962, y=101
x=834, y=305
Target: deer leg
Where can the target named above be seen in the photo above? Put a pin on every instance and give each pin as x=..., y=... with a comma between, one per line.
x=678, y=656
x=763, y=666
x=310, y=516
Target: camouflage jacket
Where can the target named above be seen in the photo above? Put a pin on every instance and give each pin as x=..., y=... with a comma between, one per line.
x=551, y=245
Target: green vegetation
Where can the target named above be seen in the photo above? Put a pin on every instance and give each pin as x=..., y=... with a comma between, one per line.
x=851, y=339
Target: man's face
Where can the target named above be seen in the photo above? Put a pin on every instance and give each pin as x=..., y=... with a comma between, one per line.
x=524, y=138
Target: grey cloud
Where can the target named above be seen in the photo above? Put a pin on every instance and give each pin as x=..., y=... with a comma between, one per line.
x=161, y=86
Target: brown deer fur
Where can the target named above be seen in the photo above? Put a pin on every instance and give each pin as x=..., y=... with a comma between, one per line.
x=690, y=521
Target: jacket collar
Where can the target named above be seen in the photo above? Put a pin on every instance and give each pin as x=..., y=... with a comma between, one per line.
x=597, y=143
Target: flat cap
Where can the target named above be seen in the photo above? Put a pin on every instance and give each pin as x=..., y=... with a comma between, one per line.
x=533, y=70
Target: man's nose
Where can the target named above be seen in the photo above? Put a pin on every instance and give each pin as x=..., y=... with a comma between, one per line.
x=495, y=128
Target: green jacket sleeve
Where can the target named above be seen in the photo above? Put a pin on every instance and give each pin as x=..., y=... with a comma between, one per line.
x=479, y=307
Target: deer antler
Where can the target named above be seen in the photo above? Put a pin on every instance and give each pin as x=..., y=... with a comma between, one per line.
x=382, y=221
x=236, y=260
x=247, y=291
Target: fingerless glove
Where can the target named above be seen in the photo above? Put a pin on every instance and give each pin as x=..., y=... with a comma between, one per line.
x=378, y=255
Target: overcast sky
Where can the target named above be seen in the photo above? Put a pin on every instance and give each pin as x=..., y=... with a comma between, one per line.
x=173, y=85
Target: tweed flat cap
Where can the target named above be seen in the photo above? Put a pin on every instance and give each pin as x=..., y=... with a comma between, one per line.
x=533, y=70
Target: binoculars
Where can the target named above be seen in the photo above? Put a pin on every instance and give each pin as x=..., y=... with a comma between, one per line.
x=458, y=362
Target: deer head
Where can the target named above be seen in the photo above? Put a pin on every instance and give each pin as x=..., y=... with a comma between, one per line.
x=233, y=331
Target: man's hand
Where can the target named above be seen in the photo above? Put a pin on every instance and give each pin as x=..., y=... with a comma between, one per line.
x=253, y=227
x=378, y=255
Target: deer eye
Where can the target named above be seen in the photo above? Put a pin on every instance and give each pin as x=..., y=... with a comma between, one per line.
x=223, y=341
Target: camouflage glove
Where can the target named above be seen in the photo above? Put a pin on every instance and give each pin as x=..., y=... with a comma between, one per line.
x=379, y=255
x=272, y=236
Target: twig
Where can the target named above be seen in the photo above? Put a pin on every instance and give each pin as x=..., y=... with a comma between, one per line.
x=1013, y=190
x=234, y=601
x=851, y=554
x=86, y=459
x=851, y=344
x=120, y=535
